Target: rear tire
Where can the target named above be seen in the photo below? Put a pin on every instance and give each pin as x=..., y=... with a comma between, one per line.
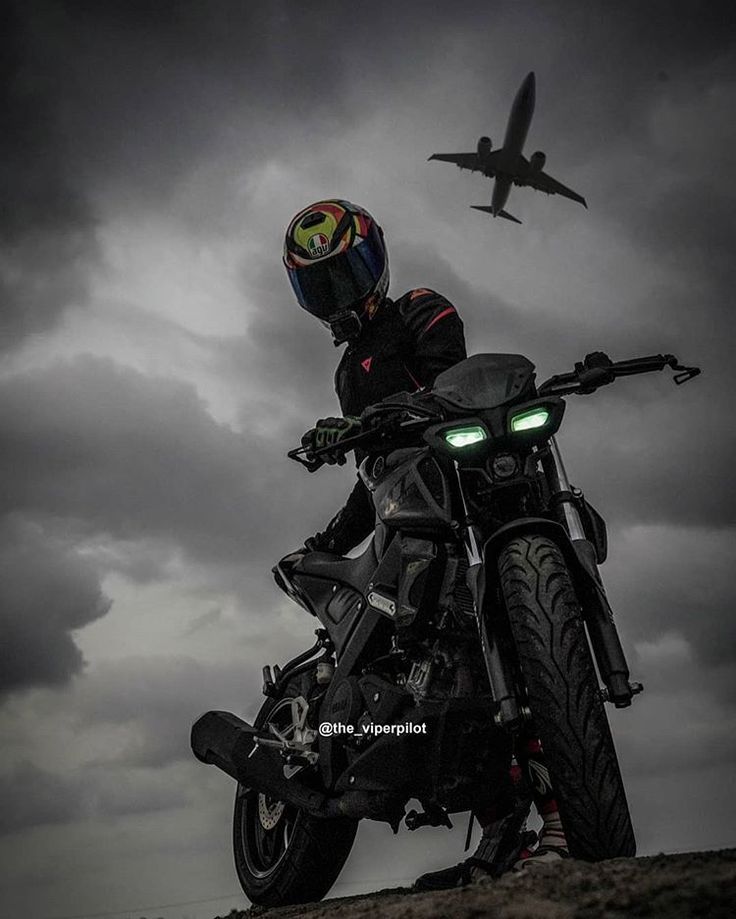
x=567, y=709
x=282, y=855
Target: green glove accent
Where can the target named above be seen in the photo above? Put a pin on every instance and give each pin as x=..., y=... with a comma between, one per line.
x=329, y=432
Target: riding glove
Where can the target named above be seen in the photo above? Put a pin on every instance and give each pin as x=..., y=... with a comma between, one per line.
x=329, y=432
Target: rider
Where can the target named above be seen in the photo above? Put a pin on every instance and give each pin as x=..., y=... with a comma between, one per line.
x=337, y=263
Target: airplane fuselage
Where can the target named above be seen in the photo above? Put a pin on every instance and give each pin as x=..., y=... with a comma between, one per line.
x=517, y=129
x=520, y=117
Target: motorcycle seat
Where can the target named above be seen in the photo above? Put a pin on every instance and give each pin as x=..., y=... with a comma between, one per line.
x=356, y=572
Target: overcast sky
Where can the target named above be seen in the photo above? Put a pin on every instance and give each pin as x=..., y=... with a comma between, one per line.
x=154, y=369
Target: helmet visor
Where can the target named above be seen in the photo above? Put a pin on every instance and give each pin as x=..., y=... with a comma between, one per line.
x=327, y=287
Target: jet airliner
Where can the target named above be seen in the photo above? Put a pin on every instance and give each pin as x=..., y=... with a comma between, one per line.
x=508, y=165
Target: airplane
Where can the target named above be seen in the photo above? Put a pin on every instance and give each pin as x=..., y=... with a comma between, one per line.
x=508, y=166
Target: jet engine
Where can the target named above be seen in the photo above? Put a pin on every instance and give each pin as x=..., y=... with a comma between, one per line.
x=484, y=148
x=537, y=161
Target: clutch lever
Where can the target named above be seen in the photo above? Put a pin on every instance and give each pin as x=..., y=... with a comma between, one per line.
x=299, y=455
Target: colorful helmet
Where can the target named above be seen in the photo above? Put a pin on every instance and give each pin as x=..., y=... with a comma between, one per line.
x=337, y=264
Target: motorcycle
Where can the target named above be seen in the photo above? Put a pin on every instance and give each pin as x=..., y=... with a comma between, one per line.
x=476, y=616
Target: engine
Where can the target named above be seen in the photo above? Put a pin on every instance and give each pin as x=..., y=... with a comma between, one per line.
x=484, y=148
x=537, y=161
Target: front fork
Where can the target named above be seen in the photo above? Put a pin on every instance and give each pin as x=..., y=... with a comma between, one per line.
x=508, y=712
x=562, y=493
x=598, y=614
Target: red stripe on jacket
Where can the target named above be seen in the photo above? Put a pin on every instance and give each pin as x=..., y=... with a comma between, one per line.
x=445, y=312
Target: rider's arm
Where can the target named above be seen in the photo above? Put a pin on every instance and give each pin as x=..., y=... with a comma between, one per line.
x=436, y=331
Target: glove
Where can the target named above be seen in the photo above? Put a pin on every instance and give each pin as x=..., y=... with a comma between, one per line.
x=329, y=432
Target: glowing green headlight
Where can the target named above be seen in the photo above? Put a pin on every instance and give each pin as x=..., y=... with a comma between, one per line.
x=465, y=437
x=527, y=421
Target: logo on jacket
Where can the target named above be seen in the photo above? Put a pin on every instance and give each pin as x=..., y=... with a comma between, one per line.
x=318, y=245
x=366, y=364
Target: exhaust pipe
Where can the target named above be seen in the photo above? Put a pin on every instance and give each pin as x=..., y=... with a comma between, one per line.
x=226, y=741
x=222, y=739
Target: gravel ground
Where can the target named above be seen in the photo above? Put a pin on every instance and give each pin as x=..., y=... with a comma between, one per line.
x=697, y=884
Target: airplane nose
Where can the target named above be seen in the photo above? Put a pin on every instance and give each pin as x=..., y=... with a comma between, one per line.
x=528, y=89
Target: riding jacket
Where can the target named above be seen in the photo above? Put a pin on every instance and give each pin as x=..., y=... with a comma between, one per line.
x=401, y=349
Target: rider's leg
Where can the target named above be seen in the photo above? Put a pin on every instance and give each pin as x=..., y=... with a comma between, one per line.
x=552, y=841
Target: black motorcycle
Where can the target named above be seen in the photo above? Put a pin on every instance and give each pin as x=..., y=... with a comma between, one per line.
x=467, y=623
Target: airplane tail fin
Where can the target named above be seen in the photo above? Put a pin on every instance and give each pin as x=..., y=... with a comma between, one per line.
x=489, y=210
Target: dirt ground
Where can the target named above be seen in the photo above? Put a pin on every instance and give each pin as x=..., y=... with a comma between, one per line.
x=698, y=884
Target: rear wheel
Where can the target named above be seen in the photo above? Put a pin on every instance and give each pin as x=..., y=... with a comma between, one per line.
x=282, y=855
x=564, y=698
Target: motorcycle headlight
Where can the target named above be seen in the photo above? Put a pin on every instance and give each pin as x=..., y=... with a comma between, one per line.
x=465, y=437
x=530, y=419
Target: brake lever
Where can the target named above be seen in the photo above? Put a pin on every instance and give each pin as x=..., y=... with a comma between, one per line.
x=685, y=373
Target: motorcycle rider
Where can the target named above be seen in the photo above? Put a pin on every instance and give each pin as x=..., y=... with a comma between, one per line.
x=336, y=260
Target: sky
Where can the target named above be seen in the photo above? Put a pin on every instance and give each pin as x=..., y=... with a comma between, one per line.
x=155, y=369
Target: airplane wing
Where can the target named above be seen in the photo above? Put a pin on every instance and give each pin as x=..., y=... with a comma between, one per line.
x=463, y=160
x=543, y=182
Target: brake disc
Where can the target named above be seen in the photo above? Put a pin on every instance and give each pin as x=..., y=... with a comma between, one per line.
x=269, y=815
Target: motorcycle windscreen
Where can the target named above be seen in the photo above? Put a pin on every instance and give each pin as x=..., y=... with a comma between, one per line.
x=486, y=381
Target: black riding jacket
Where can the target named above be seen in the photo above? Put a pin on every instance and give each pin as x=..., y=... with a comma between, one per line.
x=402, y=349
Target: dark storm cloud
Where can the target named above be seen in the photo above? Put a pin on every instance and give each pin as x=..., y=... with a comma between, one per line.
x=132, y=456
x=100, y=452
x=30, y=796
x=147, y=91
x=287, y=357
x=130, y=720
x=156, y=698
x=46, y=227
x=670, y=581
x=46, y=592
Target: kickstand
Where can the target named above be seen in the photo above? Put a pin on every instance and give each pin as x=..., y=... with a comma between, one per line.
x=469, y=834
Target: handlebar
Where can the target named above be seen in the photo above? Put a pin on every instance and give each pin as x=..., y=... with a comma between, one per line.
x=597, y=370
x=375, y=428
x=594, y=371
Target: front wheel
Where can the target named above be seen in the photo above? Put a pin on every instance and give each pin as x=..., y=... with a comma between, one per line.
x=282, y=855
x=567, y=709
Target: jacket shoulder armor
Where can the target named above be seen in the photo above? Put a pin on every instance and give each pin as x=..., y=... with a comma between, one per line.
x=422, y=308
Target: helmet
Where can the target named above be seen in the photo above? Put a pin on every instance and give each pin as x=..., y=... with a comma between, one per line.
x=337, y=263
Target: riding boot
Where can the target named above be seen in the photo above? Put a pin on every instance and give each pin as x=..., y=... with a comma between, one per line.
x=499, y=848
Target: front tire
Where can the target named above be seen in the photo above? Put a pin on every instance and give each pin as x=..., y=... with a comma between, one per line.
x=282, y=855
x=567, y=709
